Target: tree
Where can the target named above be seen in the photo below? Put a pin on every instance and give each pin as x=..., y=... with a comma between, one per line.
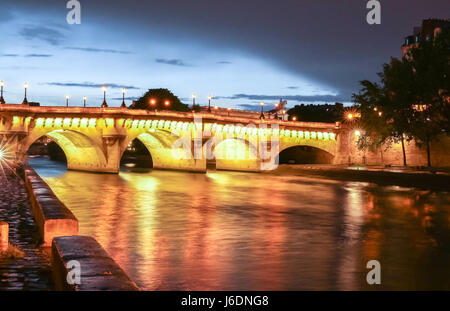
x=430, y=63
x=317, y=113
x=386, y=108
x=159, y=97
x=412, y=99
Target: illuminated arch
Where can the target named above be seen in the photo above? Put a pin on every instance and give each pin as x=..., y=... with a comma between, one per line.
x=82, y=153
x=167, y=150
x=234, y=154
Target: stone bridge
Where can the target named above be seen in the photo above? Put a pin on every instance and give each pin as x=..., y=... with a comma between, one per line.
x=94, y=139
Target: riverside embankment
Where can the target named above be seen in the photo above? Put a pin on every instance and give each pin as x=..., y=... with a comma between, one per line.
x=32, y=270
x=44, y=241
x=436, y=179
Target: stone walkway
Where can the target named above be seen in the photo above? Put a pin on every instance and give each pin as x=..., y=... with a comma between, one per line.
x=32, y=272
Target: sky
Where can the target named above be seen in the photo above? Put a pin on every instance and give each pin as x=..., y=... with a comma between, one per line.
x=240, y=52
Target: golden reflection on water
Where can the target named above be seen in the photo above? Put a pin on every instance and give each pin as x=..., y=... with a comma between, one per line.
x=242, y=231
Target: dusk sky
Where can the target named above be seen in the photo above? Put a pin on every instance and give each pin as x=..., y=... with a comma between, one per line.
x=241, y=52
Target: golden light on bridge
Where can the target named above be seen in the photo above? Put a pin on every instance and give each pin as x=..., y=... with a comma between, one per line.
x=5, y=156
x=167, y=103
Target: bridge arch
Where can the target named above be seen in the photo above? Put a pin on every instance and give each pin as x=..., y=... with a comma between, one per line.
x=304, y=154
x=167, y=150
x=232, y=154
x=81, y=151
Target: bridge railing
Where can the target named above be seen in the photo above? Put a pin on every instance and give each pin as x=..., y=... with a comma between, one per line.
x=113, y=112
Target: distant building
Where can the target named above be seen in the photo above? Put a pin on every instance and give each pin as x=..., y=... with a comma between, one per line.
x=428, y=31
x=34, y=104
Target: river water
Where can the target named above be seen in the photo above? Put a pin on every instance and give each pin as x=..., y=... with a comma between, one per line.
x=248, y=231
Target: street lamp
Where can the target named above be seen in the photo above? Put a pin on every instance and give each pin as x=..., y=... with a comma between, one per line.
x=209, y=103
x=84, y=101
x=104, y=104
x=228, y=109
x=294, y=118
x=276, y=110
x=152, y=102
x=262, y=111
x=25, y=101
x=193, y=101
x=67, y=100
x=167, y=103
x=2, y=101
x=123, y=98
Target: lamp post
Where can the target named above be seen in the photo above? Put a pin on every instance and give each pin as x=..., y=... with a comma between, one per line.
x=2, y=101
x=123, y=98
x=25, y=101
x=209, y=103
x=262, y=111
x=228, y=109
x=193, y=101
x=167, y=103
x=104, y=104
x=67, y=100
x=84, y=101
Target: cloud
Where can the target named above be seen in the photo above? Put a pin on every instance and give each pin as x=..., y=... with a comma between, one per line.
x=95, y=50
x=38, y=55
x=250, y=107
x=126, y=98
x=292, y=87
x=92, y=85
x=27, y=55
x=174, y=62
x=299, y=98
x=224, y=62
x=49, y=35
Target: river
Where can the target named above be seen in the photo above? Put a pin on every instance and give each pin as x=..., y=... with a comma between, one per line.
x=248, y=231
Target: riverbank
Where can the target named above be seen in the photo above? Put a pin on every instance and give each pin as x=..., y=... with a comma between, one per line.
x=399, y=176
x=32, y=270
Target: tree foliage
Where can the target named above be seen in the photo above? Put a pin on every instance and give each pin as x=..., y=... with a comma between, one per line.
x=160, y=96
x=411, y=101
x=318, y=113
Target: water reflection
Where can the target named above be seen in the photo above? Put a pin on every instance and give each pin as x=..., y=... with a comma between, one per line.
x=240, y=231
